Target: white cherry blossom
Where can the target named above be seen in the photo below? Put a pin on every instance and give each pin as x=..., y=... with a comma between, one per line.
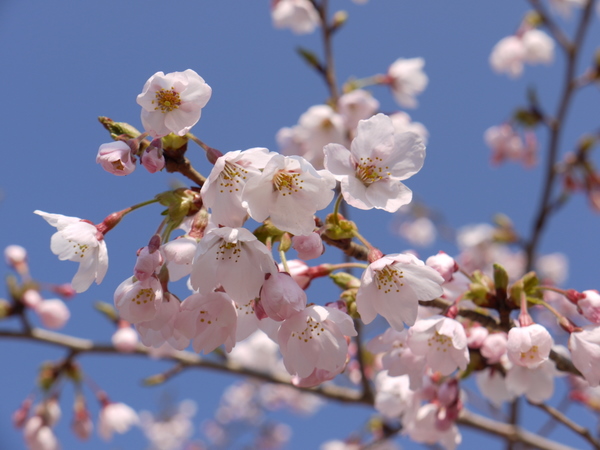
x=234, y=259
x=222, y=191
x=138, y=301
x=315, y=338
x=407, y=80
x=403, y=123
x=392, y=287
x=80, y=241
x=585, y=350
x=371, y=172
x=442, y=341
x=172, y=103
x=289, y=191
x=529, y=346
x=115, y=418
x=357, y=105
x=300, y=16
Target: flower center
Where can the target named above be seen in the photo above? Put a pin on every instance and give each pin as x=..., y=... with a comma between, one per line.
x=143, y=296
x=531, y=353
x=80, y=249
x=389, y=279
x=440, y=342
x=231, y=176
x=167, y=99
x=312, y=327
x=228, y=251
x=287, y=182
x=368, y=171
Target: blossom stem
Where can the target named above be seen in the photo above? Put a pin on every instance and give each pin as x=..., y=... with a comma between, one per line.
x=284, y=261
x=336, y=209
x=362, y=239
x=348, y=265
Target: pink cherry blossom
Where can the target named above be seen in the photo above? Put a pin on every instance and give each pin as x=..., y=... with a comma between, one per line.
x=585, y=350
x=300, y=16
x=138, y=301
x=80, y=241
x=442, y=341
x=15, y=256
x=115, y=418
x=209, y=320
x=153, y=159
x=392, y=287
x=39, y=435
x=162, y=328
x=149, y=260
x=421, y=427
x=299, y=271
x=393, y=395
x=179, y=255
x=234, y=259
x=407, y=80
x=125, y=339
x=116, y=158
x=494, y=347
x=371, y=172
x=403, y=123
x=281, y=297
x=492, y=385
x=444, y=264
x=315, y=338
x=32, y=298
x=590, y=306
x=508, y=56
x=539, y=47
x=535, y=383
x=357, y=105
x=53, y=313
x=309, y=246
x=529, y=346
x=289, y=191
x=172, y=103
x=222, y=191
x=420, y=231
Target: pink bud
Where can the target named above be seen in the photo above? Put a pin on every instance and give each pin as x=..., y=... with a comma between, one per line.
x=53, y=313
x=308, y=247
x=443, y=264
x=32, y=298
x=281, y=296
x=147, y=263
x=115, y=157
x=16, y=257
x=21, y=414
x=125, y=339
x=476, y=336
x=589, y=306
x=299, y=272
x=494, y=347
x=153, y=160
x=64, y=290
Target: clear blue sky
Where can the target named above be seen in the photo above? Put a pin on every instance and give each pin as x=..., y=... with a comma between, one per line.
x=66, y=62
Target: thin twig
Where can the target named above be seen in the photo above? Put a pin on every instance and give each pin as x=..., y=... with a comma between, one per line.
x=560, y=417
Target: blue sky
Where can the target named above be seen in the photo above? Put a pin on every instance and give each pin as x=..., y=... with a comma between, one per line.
x=67, y=62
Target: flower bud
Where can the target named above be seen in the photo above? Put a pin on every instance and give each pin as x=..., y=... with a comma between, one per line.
x=125, y=339
x=116, y=158
x=308, y=247
x=53, y=313
x=281, y=296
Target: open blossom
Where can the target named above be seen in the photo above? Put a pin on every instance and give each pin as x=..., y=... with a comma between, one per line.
x=289, y=191
x=357, y=105
x=222, y=191
x=585, y=350
x=506, y=144
x=234, y=259
x=529, y=346
x=80, y=241
x=300, y=16
x=209, y=320
x=138, y=301
x=403, y=123
x=392, y=287
x=407, y=80
x=315, y=338
x=172, y=103
x=179, y=255
x=115, y=418
x=510, y=53
x=116, y=158
x=442, y=341
x=394, y=396
x=371, y=172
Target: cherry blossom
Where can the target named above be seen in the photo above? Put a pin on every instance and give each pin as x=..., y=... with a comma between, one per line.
x=298, y=15
x=392, y=287
x=357, y=105
x=125, y=339
x=510, y=53
x=162, y=328
x=53, y=313
x=149, y=260
x=494, y=347
x=153, y=159
x=420, y=231
x=209, y=320
x=39, y=435
x=585, y=350
x=590, y=306
x=529, y=346
x=421, y=427
x=309, y=246
x=403, y=123
x=407, y=80
x=371, y=172
x=222, y=191
x=315, y=339
x=281, y=297
x=138, y=301
x=393, y=396
x=234, y=259
x=289, y=191
x=565, y=7
x=171, y=432
x=537, y=383
x=442, y=341
x=444, y=264
x=172, y=103
x=179, y=255
x=115, y=418
x=116, y=158
x=492, y=385
x=80, y=241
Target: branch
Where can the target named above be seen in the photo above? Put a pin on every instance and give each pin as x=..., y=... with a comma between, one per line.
x=560, y=417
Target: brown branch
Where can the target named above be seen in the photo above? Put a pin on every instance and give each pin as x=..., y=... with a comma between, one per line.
x=345, y=395
x=560, y=417
x=328, y=71
x=556, y=127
